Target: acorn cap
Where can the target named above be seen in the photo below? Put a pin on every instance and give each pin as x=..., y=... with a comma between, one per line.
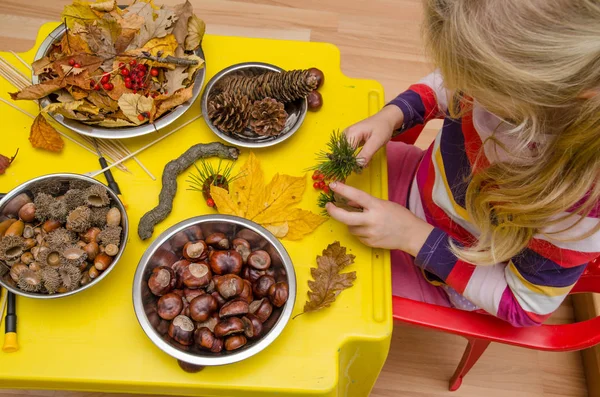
x=78, y=220
x=97, y=196
x=11, y=248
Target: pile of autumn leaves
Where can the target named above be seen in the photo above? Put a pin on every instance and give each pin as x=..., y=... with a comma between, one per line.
x=84, y=71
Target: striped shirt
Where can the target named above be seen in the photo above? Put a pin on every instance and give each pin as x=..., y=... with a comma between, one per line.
x=523, y=291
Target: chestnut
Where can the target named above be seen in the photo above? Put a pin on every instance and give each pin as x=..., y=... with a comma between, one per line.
x=163, y=327
x=190, y=368
x=212, y=286
x=252, y=326
x=229, y=326
x=196, y=275
x=236, y=307
x=186, y=308
x=217, y=346
x=247, y=292
x=182, y=330
x=212, y=321
x=220, y=300
x=278, y=294
x=179, y=292
x=318, y=75
x=260, y=260
x=255, y=239
x=195, y=250
x=195, y=233
x=201, y=307
x=226, y=262
x=27, y=212
x=162, y=280
x=178, y=241
x=169, y=306
x=235, y=342
x=242, y=246
x=251, y=274
x=315, y=101
x=179, y=267
x=218, y=241
x=192, y=293
x=230, y=285
x=262, y=308
x=262, y=285
x=204, y=338
x=163, y=257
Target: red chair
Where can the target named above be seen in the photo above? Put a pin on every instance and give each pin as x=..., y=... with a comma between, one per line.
x=481, y=329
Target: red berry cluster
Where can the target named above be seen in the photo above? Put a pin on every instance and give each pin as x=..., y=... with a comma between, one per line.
x=210, y=202
x=320, y=182
x=74, y=63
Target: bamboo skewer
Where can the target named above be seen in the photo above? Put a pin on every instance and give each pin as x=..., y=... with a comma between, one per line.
x=22, y=60
x=127, y=151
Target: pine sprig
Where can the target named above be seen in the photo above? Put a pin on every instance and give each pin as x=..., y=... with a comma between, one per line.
x=322, y=201
x=340, y=160
x=208, y=175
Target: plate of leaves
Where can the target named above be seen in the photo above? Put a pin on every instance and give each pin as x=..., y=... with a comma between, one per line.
x=113, y=71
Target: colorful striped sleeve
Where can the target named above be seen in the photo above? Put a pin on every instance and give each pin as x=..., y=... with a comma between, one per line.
x=421, y=103
x=524, y=292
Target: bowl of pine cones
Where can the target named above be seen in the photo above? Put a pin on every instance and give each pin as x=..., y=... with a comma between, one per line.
x=256, y=104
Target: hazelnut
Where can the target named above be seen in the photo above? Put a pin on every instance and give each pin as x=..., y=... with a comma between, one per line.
x=278, y=294
x=217, y=346
x=259, y=260
x=218, y=241
x=315, y=101
x=29, y=244
x=262, y=308
x=102, y=261
x=235, y=307
x=252, y=326
x=220, y=300
x=230, y=285
x=226, y=262
x=182, y=330
x=196, y=275
x=91, y=235
x=242, y=246
x=190, y=368
x=111, y=250
x=318, y=75
x=235, y=342
x=91, y=249
x=247, y=292
x=16, y=270
x=190, y=294
x=93, y=272
x=27, y=212
x=201, y=307
x=179, y=268
x=28, y=231
x=51, y=225
x=229, y=326
x=13, y=206
x=113, y=217
x=262, y=285
x=27, y=258
x=169, y=306
x=195, y=250
x=204, y=338
x=162, y=280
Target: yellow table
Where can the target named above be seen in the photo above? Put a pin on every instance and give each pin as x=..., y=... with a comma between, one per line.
x=92, y=341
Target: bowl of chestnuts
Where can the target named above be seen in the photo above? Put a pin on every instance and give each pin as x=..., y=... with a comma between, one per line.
x=214, y=290
x=59, y=234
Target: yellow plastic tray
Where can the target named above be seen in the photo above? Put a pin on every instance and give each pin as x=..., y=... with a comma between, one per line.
x=92, y=341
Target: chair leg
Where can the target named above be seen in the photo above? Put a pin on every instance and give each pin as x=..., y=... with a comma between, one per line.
x=474, y=350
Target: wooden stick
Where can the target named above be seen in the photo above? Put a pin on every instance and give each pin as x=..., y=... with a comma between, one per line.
x=21, y=60
x=17, y=71
x=136, y=160
x=96, y=173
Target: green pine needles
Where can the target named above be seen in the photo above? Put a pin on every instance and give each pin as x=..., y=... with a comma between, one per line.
x=340, y=160
x=207, y=175
x=322, y=201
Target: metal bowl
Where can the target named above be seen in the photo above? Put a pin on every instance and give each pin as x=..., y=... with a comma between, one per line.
x=172, y=240
x=26, y=187
x=117, y=133
x=296, y=110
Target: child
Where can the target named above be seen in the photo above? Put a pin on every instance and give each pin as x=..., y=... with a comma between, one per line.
x=501, y=212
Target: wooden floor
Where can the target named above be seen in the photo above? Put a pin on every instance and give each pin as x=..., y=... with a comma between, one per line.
x=379, y=39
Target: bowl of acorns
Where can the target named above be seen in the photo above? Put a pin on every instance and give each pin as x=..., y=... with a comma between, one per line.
x=257, y=104
x=59, y=235
x=214, y=290
x=119, y=72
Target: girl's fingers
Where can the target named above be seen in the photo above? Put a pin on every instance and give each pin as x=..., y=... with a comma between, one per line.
x=358, y=231
x=358, y=197
x=341, y=215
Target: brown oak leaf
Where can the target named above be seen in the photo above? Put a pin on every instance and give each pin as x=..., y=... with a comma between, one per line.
x=44, y=136
x=163, y=106
x=5, y=162
x=38, y=91
x=42, y=65
x=133, y=105
x=196, y=28
x=327, y=281
x=175, y=79
x=183, y=12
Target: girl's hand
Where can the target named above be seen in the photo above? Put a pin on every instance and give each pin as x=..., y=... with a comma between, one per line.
x=381, y=224
x=375, y=131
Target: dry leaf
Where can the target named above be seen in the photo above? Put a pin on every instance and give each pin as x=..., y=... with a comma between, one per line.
x=183, y=12
x=79, y=106
x=157, y=24
x=115, y=123
x=165, y=45
x=130, y=25
x=77, y=93
x=104, y=102
x=67, y=70
x=64, y=96
x=328, y=281
x=175, y=79
x=192, y=69
x=133, y=105
x=38, y=91
x=196, y=28
x=170, y=102
x=270, y=205
x=5, y=162
x=44, y=136
x=104, y=5
x=42, y=65
x=77, y=12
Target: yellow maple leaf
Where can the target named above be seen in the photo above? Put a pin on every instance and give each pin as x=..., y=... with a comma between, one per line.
x=269, y=205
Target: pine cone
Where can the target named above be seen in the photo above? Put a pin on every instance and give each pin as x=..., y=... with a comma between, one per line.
x=229, y=113
x=268, y=117
x=284, y=87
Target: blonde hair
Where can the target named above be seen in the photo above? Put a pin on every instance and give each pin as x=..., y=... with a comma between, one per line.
x=537, y=64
